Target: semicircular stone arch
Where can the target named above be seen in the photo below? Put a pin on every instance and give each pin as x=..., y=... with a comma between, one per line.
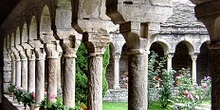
x=182, y=58
x=203, y=62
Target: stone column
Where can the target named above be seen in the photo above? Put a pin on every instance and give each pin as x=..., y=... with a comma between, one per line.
x=194, y=72
x=59, y=80
x=96, y=44
x=24, y=70
x=69, y=75
x=40, y=74
x=137, y=75
x=95, y=81
x=169, y=62
x=31, y=70
x=116, y=71
x=52, y=51
x=215, y=75
x=17, y=69
x=12, y=68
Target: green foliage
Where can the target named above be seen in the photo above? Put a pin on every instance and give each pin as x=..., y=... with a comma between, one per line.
x=191, y=95
x=106, y=58
x=43, y=103
x=165, y=93
x=19, y=94
x=28, y=98
x=154, y=73
x=58, y=105
x=82, y=73
x=11, y=88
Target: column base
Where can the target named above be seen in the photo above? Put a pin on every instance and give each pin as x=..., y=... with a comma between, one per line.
x=116, y=87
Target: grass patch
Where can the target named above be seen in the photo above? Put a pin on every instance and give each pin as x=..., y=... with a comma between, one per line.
x=115, y=106
x=124, y=106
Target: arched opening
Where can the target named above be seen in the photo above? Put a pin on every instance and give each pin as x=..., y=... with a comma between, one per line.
x=123, y=67
x=110, y=68
x=182, y=58
x=157, y=48
x=203, y=62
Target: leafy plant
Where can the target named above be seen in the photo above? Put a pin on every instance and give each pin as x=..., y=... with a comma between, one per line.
x=19, y=94
x=43, y=104
x=11, y=88
x=28, y=98
x=165, y=92
x=154, y=74
x=57, y=105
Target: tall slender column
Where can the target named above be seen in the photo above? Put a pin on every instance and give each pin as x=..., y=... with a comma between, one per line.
x=40, y=74
x=12, y=68
x=95, y=82
x=96, y=44
x=52, y=51
x=69, y=75
x=59, y=80
x=31, y=70
x=17, y=69
x=116, y=71
x=70, y=47
x=69, y=81
x=169, y=61
x=194, y=57
x=137, y=75
x=24, y=66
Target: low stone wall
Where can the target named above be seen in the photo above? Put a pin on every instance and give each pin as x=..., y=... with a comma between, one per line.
x=121, y=95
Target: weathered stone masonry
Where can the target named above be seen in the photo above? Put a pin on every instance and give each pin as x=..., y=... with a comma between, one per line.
x=52, y=24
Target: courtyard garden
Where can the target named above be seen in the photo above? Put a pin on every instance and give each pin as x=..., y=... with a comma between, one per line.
x=167, y=89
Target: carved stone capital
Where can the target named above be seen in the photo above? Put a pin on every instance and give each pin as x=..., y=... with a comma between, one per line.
x=40, y=53
x=22, y=55
x=96, y=43
x=17, y=56
x=194, y=57
x=117, y=57
x=70, y=46
x=53, y=50
x=30, y=54
x=68, y=51
x=12, y=56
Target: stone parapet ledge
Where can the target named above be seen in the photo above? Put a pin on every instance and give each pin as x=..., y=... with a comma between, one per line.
x=10, y=104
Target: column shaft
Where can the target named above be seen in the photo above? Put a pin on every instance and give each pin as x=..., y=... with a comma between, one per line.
x=169, y=62
x=137, y=83
x=40, y=80
x=116, y=72
x=215, y=75
x=18, y=73
x=24, y=76
x=95, y=83
x=69, y=82
x=59, y=88
x=52, y=78
x=194, y=57
x=13, y=72
x=31, y=75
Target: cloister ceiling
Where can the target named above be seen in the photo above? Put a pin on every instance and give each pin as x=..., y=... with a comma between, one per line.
x=6, y=6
